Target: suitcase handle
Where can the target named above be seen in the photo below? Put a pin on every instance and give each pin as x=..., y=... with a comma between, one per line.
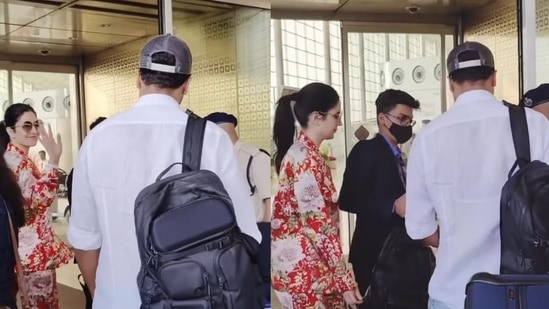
x=510, y=279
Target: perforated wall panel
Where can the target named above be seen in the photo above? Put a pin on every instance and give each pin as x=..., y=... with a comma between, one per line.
x=231, y=69
x=110, y=80
x=253, y=63
x=495, y=26
x=231, y=72
x=542, y=41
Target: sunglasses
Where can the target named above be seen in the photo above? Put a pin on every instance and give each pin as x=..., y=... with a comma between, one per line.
x=27, y=125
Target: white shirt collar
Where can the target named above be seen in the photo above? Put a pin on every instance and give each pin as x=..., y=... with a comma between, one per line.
x=475, y=96
x=157, y=99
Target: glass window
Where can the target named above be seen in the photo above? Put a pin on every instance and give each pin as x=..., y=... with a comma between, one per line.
x=52, y=96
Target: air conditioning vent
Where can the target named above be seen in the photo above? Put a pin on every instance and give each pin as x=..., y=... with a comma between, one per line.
x=398, y=76
x=438, y=72
x=28, y=101
x=67, y=102
x=48, y=104
x=418, y=74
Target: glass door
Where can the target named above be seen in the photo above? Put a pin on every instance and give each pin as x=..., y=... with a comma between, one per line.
x=52, y=91
x=374, y=61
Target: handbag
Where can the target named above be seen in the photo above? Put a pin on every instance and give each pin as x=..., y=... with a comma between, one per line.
x=18, y=267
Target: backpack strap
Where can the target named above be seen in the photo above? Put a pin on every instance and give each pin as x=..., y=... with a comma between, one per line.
x=249, y=166
x=519, y=129
x=194, y=140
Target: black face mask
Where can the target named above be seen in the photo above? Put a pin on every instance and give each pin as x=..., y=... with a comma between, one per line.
x=401, y=133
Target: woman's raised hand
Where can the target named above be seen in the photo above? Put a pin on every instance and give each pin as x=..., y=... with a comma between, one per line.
x=52, y=144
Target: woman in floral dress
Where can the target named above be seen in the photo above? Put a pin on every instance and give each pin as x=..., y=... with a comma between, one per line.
x=40, y=250
x=308, y=267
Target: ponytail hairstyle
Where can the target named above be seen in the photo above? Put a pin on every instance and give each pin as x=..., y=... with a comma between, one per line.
x=11, y=116
x=315, y=97
x=11, y=193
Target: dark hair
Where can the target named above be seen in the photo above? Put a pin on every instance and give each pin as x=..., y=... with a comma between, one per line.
x=472, y=74
x=97, y=121
x=11, y=192
x=11, y=116
x=315, y=97
x=388, y=100
x=162, y=79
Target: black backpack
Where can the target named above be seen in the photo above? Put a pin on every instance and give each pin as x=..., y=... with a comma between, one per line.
x=192, y=252
x=253, y=188
x=400, y=278
x=524, y=207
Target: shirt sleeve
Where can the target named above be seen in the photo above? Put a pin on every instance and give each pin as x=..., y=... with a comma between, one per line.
x=226, y=168
x=261, y=169
x=420, y=218
x=84, y=232
x=41, y=191
x=319, y=227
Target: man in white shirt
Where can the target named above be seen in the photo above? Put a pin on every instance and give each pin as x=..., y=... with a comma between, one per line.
x=457, y=167
x=124, y=155
x=254, y=164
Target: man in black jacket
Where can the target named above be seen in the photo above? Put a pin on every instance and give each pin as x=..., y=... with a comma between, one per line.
x=374, y=181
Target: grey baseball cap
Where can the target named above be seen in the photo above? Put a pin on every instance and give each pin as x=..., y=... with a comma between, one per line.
x=468, y=55
x=169, y=44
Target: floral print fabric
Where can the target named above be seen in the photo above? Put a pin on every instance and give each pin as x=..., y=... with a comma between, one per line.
x=39, y=247
x=306, y=256
x=42, y=290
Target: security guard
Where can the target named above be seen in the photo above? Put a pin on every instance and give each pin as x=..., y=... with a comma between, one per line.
x=255, y=164
x=537, y=99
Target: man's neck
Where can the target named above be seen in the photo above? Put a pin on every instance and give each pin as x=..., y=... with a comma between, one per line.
x=233, y=137
x=388, y=137
x=466, y=87
x=156, y=90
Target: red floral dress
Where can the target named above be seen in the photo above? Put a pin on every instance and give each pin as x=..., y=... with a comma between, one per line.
x=307, y=265
x=39, y=247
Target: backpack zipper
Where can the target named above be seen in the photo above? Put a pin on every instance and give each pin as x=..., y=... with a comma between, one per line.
x=153, y=259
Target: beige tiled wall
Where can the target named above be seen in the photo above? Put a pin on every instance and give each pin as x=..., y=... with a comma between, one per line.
x=231, y=72
x=495, y=26
x=110, y=80
x=542, y=41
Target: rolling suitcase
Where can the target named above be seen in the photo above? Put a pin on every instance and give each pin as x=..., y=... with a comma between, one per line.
x=487, y=291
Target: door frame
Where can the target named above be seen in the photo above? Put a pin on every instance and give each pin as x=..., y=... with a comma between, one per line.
x=76, y=90
x=377, y=27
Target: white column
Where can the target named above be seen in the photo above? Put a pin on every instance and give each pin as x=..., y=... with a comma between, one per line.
x=529, y=43
x=165, y=15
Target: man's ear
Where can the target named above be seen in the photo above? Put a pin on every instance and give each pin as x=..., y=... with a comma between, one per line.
x=138, y=81
x=381, y=118
x=186, y=86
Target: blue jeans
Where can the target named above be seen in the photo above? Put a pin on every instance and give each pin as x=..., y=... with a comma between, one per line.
x=435, y=304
